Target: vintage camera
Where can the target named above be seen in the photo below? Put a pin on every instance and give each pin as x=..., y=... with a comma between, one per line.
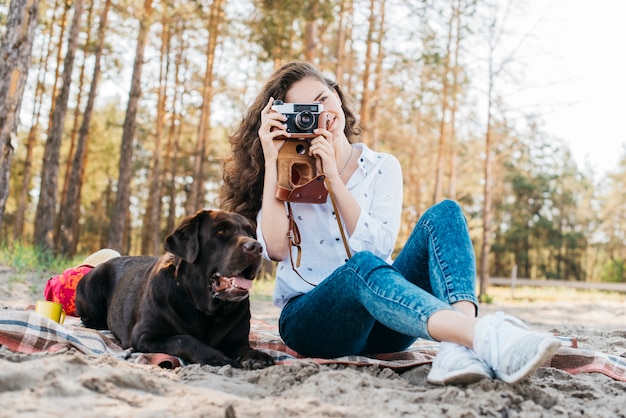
x=298, y=178
x=302, y=118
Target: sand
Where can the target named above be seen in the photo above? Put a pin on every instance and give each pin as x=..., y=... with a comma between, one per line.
x=74, y=384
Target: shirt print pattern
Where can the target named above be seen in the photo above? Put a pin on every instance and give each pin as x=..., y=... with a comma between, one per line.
x=380, y=199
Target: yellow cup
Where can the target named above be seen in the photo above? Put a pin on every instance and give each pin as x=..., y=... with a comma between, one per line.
x=52, y=310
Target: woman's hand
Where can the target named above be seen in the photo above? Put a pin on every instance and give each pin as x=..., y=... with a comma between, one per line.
x=274, y=222
x=272, y=126
x=322, y=148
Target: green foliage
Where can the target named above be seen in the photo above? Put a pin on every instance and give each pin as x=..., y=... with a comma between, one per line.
x=263, y=287
x=614, y=270
x=279, y=26
x=539, y=214
x=26, y=258
x=485, y=298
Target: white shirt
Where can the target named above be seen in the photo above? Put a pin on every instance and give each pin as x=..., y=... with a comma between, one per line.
x=377, y=187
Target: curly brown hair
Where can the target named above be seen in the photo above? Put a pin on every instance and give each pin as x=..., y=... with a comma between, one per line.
x=244, y=171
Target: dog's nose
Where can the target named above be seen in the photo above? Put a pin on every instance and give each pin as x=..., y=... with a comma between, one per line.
x=253, y=247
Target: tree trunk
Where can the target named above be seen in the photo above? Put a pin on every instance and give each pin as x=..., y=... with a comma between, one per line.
x=69, y=226
x=494, y=36
x=117, y=230
x=67, y=5
x=75, y=128
x=196, y=197
x=445, y=91
x=310, y=33
x=454, y=98
x=151, y=234
x=341, y=40
x=20, y=212
x=349, y=60
x=46, y=207
x=15, y=51
x=176, y=121
x=486, y=241
x=171, y=154
x=378, y=81
x=454, y=93
x=365, y=96
x=23, y=199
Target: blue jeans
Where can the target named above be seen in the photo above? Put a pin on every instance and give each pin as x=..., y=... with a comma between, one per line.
x=367, y=306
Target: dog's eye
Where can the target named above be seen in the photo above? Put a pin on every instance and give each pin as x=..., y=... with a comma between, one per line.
x=220, y=232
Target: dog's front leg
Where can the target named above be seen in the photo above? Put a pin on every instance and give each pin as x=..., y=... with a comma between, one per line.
x=251, y=359
x=186, y=347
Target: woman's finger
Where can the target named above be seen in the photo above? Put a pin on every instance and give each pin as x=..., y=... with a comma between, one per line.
x=271, y=121
x=325, y=154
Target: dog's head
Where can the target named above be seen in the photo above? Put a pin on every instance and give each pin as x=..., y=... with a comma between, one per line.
x=218, y=256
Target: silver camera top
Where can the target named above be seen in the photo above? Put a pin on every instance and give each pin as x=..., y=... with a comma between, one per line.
x=281, y=107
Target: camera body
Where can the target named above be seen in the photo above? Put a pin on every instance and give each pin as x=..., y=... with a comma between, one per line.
x=298, y=178
x=302, y=118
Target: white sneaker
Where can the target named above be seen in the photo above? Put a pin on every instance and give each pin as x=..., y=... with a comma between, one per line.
x=456, y=364
x=508, y=346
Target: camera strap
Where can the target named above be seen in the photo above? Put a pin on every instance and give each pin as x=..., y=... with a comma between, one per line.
x=294, y=241
x=336, y=210
x=295, y=238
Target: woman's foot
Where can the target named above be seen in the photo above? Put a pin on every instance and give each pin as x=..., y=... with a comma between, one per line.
x=456, y=364
x=510, y=349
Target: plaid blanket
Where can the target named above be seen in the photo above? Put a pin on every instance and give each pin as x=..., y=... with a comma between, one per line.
x=26, y=332
x=576, y=360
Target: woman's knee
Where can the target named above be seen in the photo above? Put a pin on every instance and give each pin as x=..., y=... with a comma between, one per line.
x=364, y=264
x=446, y=209
x=366, y=258
x=448, y=206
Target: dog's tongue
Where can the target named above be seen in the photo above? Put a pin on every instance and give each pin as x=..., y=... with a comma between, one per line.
x=241, y=282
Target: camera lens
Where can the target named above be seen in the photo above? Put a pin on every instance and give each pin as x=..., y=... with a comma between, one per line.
x=305, y=120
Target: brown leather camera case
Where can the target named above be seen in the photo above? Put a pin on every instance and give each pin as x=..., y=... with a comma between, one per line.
x=298, y=180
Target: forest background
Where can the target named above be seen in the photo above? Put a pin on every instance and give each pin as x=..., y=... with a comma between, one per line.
x=127, y=107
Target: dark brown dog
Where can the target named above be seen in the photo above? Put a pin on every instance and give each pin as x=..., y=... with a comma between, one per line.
x=192, y=302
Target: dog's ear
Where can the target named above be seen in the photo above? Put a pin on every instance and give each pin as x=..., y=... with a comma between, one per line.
x=184, y=242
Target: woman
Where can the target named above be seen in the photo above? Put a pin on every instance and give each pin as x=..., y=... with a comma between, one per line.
x=333, y=305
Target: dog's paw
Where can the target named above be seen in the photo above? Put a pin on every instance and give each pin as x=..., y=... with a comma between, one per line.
x=212, y=359
x=222, y=362
x=254, y=360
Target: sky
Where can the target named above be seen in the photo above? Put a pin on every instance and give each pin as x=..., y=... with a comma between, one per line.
x=575, y=75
